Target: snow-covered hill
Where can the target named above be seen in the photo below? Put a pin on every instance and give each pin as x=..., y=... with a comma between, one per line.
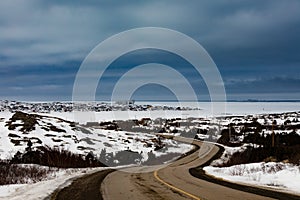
x=17, y=129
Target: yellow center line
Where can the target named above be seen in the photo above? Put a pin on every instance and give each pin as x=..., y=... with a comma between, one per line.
x=175, y=188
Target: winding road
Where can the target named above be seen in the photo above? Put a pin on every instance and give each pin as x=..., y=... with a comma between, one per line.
x=173, y=181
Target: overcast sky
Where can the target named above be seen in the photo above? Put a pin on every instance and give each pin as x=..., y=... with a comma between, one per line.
x=255, y=44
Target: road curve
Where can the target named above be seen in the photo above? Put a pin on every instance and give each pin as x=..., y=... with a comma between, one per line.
x=86, y=187
x=171, y=182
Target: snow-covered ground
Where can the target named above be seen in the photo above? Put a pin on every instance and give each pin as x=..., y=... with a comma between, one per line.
x=205, y=110
x=279, y=176
x=228, y=152
x=85, y=112
x=84, y=117
x=41, y=190
x=86, y=139
x=80, y=140
x=275, y=175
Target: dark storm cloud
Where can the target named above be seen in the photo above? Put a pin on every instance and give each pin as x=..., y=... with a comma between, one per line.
x=43, y=41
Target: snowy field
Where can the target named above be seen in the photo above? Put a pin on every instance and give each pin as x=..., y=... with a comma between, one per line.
x=80, y=141
x=279, y=176
x=232, y=108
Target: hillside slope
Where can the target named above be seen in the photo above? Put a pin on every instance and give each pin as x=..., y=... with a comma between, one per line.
x=17, y=129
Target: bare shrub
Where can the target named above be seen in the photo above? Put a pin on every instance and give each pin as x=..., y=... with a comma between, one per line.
x=20, y=174
x=56, y=157
x=238, y=170
x=252, y=155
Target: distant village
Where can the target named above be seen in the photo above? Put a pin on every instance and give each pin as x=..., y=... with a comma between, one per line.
x=47, y=107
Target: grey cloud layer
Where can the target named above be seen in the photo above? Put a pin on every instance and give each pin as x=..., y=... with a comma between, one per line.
x=245, y=38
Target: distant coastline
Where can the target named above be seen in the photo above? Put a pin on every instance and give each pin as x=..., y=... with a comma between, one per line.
x=168, y=100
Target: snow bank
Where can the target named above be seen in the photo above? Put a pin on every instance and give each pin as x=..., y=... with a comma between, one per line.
x=42, y=189
x=274, y=175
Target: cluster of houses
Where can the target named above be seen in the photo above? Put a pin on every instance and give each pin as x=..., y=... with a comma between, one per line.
x=47, y=107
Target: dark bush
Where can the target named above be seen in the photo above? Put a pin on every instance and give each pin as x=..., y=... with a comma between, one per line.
x=29, y=121
x=280, y=153
x=16, y=174
x=55, y=157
